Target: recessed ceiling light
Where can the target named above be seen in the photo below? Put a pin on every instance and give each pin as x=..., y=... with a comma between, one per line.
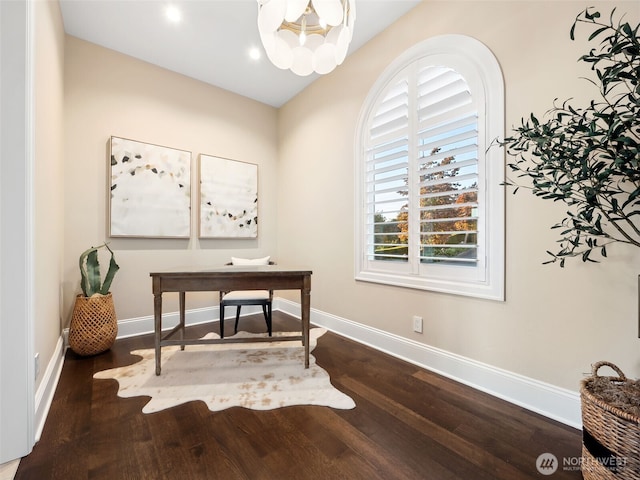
x=173, y=13
x=254, y=53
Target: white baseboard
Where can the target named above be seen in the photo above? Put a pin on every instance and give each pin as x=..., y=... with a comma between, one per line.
x=44, y=394
x=133, y=327
x=548, y=400
x=142, y=325
x=553, y=402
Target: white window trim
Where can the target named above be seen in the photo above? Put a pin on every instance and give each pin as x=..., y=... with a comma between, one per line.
x=471, y=56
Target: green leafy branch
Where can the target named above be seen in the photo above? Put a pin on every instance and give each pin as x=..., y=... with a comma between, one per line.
x=589, y=157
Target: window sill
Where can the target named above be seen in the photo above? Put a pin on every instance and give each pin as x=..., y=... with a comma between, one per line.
x=482, y=290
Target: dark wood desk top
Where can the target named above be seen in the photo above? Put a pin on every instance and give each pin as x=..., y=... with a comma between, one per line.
x=240, y=277
x=269, y=270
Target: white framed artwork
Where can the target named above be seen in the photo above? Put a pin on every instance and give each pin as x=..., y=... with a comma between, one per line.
x=228, y=198
x=150, y=190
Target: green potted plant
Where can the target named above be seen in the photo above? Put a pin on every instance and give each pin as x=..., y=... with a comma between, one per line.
x=94, y=325
x=589, y=157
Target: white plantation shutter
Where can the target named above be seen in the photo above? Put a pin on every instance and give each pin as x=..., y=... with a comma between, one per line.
x=429, y=202
x=447, y=164
x=388, y=175
x=423, y=140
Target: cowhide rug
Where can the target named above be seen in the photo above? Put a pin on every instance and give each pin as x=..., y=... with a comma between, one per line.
x=258, y=376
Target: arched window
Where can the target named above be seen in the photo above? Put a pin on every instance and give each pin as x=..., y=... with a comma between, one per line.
x=430, y=204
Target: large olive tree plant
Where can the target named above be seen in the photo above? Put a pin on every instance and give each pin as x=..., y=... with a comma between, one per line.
x=589, y=157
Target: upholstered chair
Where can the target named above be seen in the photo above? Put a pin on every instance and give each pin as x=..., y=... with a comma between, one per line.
x=238, y=298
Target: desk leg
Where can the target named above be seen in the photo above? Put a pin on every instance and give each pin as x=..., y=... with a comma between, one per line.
x=182, y=315
x=157, y=320
x=305, y=300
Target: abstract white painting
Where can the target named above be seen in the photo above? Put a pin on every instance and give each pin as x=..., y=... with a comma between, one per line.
x=150, y=190
x=228, y=198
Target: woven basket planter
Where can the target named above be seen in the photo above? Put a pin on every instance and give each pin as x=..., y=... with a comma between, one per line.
x=94, y=325
x=611, y=426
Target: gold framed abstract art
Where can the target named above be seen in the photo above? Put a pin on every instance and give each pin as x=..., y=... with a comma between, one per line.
x=150, y=190
x=228, y=198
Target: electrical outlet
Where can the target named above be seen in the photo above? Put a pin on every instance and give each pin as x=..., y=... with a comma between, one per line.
x=417, y=324
x=36, y=365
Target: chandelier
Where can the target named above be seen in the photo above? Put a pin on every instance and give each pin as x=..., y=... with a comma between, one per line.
x=306, y=36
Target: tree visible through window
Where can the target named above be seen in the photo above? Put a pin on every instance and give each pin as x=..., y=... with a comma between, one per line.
x=426, y=186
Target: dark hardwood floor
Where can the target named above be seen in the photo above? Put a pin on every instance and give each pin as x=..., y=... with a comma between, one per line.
x=408, y=424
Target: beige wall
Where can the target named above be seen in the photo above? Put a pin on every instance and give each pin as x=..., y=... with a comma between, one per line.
x=555, y=322
x=106, y=94
x=48, y=178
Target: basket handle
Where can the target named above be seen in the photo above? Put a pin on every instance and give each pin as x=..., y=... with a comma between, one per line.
x=596, y=366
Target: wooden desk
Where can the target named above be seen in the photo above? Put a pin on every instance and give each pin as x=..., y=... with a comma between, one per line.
x=267, y=277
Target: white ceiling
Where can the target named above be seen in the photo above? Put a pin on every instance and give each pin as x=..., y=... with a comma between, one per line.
x=212, y=41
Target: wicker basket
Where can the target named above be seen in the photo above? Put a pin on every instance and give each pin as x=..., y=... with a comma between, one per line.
x=611, y=426
x=94, y=325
